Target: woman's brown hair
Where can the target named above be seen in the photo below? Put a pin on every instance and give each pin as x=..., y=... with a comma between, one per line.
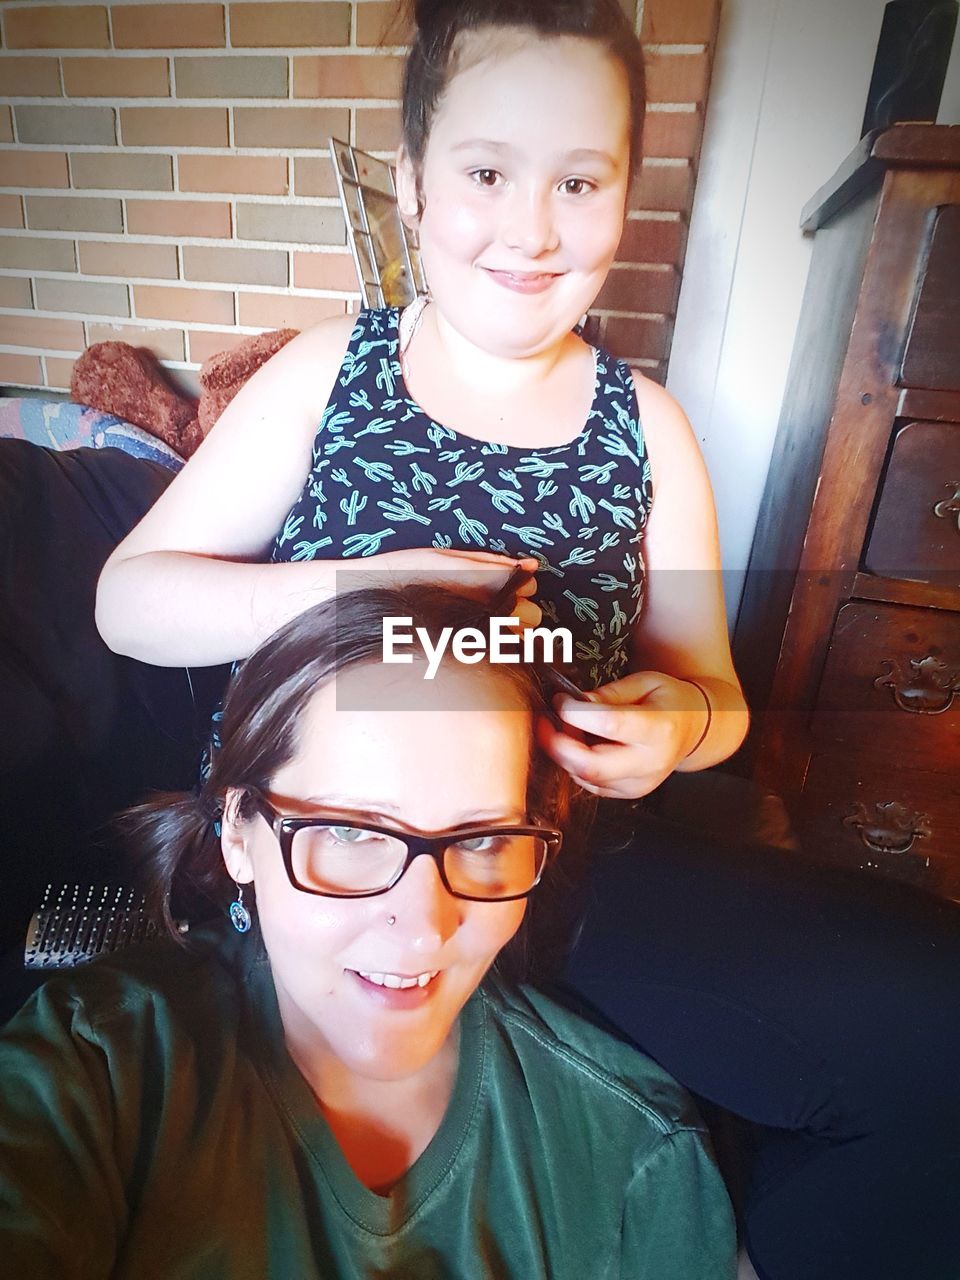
x=176, y=834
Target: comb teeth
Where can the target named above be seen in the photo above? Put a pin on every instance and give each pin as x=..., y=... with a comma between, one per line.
x=77, y=922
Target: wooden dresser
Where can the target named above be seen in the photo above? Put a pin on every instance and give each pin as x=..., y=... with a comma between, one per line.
x=848, y=639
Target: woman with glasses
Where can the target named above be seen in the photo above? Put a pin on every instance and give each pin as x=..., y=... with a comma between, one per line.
x=341, y=1084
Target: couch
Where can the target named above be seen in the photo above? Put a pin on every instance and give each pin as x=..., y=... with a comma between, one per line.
x=83, y=732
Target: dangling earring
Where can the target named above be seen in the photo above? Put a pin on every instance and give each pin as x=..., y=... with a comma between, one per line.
x=239, y=915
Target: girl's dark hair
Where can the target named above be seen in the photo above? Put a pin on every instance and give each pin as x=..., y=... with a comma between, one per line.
x=438, y=24
x=176, y=835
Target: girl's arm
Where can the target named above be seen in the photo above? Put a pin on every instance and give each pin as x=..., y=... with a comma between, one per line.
x=654, y=721
x=682, y=629
x=188, y=587
x=182, y=587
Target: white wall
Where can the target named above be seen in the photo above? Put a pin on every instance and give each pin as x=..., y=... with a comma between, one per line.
x=786, y=105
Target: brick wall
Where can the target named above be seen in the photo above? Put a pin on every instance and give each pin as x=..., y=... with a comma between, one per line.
x=164, y=178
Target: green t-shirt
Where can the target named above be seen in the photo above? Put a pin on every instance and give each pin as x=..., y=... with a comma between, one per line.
x=153, y=1126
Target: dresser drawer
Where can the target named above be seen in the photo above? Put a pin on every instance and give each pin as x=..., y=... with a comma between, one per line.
x=916, y=529
x=903, y=823
x=891, y=687
x=931, y=356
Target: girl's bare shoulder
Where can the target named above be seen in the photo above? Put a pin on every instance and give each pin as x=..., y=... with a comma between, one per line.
x=670, y=440
x=307, y=367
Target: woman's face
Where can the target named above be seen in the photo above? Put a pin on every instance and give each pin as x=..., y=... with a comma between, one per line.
x=427, y=766
x=524, y=184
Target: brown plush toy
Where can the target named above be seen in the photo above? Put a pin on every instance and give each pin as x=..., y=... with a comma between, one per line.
x=222, y=376
x=129, y=382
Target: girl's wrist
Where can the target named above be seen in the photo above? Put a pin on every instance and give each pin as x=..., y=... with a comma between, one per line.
x=708, y=722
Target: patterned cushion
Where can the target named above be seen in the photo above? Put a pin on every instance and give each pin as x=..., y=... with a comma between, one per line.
x=60, y=424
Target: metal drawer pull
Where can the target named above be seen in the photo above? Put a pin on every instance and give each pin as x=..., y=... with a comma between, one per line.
x=927, y=687
x=889, y=827
x=950, y=506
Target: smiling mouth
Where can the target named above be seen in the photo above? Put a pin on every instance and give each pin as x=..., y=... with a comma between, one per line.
x=397, y=982
x=524, y=281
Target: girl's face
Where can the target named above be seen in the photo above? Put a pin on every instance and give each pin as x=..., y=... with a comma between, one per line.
x=524, y=185
x=428, y=767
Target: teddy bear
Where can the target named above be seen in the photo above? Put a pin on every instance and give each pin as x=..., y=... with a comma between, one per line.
x=130, y=382
x=222, y=375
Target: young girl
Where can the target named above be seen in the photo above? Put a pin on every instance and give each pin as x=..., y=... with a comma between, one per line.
x=336, y=1090
x=478, y=430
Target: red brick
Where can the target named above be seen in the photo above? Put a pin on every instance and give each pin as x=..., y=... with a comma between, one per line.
x=37, y=253
x=236, y=175
x=260, y=76
x=177, y=218
x=286, y=128
x=165, y=344
x=6, y=125
x=56, y=125
x=656, y=371
x=128, y=260
x=57, y=372
x=15, y=293
x=673, y=135
x=282, y=25
x=29, y=77
x=25, y=169
x=174, y=126
x=333, y=271
x=40, y=333
x=168, y=26
x=11, y=211
x=74, y=213
x=677, y=77
x=639, y=339
x=627, y=289
x=20, y=371
x=287, y=224
x=114, y=77
x=347, y=76
x=665, y=188
x=121, y=171
x=382, y=23
x=281, y=311
x=236, y=266
x=378, y=130
x=645, y=240
x=314, y=176
x=82, y=297
x=57, y=27
x=680, y=21
x=205, y=343
x=187, y=305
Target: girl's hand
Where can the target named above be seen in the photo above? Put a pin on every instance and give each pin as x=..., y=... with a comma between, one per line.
x=483, y=574
x=650, y=722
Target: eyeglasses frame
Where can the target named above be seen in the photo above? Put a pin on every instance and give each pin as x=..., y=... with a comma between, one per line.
x=285, y=827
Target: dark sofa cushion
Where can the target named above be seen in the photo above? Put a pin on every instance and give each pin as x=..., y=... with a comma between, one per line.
x=83, y=732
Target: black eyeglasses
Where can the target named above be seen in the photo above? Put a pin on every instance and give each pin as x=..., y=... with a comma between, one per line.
x=336, y=857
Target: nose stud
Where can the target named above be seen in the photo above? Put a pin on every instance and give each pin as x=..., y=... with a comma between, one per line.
x=391, y=920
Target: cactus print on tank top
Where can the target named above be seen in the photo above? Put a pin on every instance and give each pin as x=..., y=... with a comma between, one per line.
x=387, y=477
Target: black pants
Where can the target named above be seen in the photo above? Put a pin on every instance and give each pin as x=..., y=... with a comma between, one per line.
x=823, y=1007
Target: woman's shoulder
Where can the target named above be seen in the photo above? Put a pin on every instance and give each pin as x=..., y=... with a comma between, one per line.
x=564, y=1052
x=177, y=983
